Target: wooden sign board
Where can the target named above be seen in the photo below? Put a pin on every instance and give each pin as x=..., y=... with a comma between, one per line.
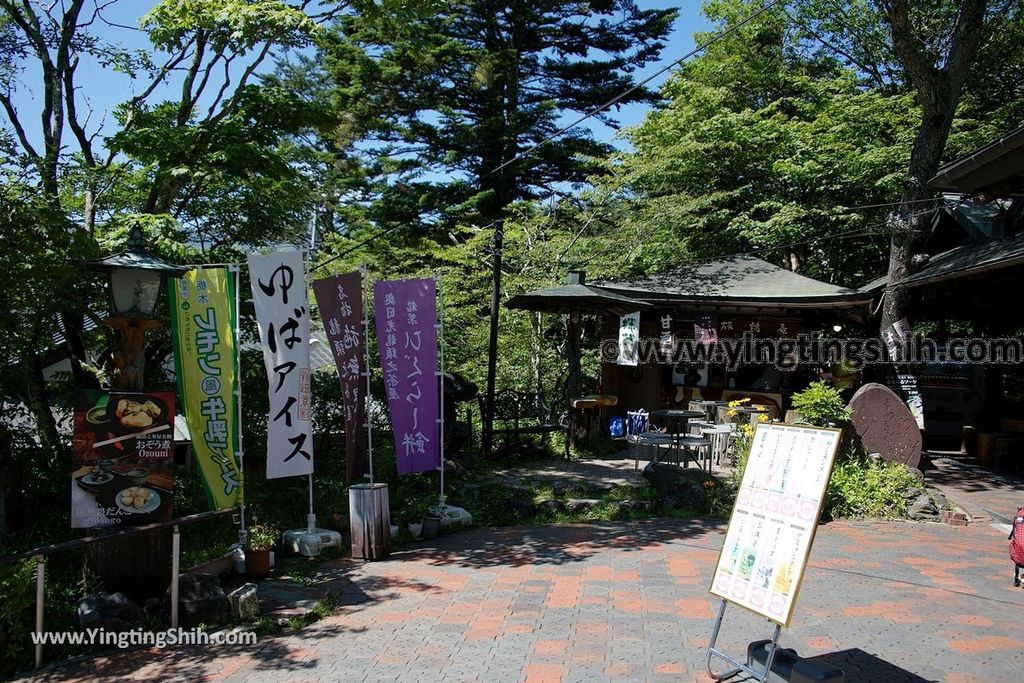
x=762, y=561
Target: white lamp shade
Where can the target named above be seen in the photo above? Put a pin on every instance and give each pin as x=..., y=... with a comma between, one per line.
x=134, y=291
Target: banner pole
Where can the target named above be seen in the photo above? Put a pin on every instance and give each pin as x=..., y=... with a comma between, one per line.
x=235, y=270
x=440, y=344
x=366, y=370
x=307, y=283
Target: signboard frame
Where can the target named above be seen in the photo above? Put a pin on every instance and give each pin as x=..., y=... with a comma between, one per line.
x=808, y=511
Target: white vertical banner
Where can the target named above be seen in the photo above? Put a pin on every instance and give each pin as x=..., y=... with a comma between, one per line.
x=282, y=312
x=629, y=338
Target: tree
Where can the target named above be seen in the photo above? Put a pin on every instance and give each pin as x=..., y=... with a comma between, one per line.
x=930, y=47
x=441, y=109
x=196, y=154
x=439, y=106
x=764, y=145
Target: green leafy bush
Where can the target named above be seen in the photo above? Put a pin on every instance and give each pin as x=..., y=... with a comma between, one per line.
x=821, y=405
x=862, y=487
x=17, y=585
x=262, y=536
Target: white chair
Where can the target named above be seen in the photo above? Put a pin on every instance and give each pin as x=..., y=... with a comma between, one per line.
x=720, y=437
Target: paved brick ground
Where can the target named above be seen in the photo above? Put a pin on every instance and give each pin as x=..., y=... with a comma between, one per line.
x=987, y=496
x=629, y=602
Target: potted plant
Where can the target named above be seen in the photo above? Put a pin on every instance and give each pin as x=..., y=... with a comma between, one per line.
x=261, y=538
x=431, y=524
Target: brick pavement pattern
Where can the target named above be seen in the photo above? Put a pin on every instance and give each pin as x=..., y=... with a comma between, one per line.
x=629, y=602
x=985, y=495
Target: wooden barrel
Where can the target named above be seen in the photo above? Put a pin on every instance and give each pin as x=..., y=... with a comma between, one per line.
x=370, y=521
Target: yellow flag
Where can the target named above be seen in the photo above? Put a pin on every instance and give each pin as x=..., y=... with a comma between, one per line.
x=203, y=323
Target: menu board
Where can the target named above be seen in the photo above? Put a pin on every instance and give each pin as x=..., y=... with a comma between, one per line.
x=762, y=561
x=122, y=453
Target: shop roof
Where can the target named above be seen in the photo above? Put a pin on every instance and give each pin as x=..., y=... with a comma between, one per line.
x=574, y=297
x=995, y=169
x=968, y=260
x=736, y=280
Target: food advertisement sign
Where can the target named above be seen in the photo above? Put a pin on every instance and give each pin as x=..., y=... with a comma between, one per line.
x=122, y=453
x=772, y=527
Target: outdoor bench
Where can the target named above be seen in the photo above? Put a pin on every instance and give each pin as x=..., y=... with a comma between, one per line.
x=520, y=415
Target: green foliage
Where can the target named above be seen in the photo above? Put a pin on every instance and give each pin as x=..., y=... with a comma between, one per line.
x=821, y=405
x=262, y=536
x=173, y=24
x=761, y=147
x=65, y=586
x=458, y=90
x=862, y=487
x=266, y=627
x=17, y=585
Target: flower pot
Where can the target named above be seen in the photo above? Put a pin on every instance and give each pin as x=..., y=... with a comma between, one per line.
x=257, y=563
x=430, y=527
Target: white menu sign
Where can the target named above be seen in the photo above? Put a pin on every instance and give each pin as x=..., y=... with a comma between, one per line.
x=762, y=561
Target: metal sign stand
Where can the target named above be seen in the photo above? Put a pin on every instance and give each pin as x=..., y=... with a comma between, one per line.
x=738, y=665
x=311, y=540
x=366, y=371
x=440, y=382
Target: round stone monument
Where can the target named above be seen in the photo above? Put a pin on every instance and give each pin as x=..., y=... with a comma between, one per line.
x=885, y=425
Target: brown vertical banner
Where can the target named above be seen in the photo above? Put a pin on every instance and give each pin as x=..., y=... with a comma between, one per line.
x=340, y=299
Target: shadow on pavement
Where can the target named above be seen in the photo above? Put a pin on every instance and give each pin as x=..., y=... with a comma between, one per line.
x=863, y=667
x=555, y=544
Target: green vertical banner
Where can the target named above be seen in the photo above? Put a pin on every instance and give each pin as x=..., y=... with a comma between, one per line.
x=203, y=323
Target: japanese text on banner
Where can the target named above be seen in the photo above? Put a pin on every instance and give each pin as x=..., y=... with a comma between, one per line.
x=406, y=314
x=282, y=313
x=203, y=323
x=340, y=300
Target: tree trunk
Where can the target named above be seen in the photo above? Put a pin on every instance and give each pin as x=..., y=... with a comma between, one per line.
x=939, y=87
x=46, y=426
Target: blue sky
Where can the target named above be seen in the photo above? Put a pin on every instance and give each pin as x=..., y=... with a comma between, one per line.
x=102, y=90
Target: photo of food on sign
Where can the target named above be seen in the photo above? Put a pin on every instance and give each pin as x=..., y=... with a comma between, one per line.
x=122, y=454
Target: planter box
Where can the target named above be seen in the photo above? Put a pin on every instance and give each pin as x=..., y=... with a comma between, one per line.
x=217, y=566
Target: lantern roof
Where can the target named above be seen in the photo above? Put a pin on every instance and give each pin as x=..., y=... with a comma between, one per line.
x=136, y=256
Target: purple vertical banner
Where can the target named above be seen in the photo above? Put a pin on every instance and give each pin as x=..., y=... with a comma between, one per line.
x=340, y=300
x=406, y=314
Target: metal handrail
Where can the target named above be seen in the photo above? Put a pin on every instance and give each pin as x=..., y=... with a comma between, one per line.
x=88, y=540
x=42, y=552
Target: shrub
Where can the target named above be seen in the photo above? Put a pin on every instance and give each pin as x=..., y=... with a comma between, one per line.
x=821, y=405
x=861, y=487
x=262, y=536
x=17, y=585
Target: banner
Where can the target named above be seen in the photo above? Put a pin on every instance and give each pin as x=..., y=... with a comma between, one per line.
x=406, y=314
x=705, y=328
x=203, y=323
x=629, y=338
x=122, y=453
x=340, y=300
x=896, y=337
x=282, y=313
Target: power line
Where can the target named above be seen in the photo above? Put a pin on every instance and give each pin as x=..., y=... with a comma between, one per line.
x=593, y=112
x=355, y=247
x=629, y=91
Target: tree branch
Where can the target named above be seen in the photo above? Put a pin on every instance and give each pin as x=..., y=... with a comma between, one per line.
x=19, y=130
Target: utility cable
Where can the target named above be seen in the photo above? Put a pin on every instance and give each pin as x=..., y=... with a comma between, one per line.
x=629, y=91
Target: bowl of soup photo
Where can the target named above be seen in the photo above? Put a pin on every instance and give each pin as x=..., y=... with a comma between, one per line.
x=138, y=475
